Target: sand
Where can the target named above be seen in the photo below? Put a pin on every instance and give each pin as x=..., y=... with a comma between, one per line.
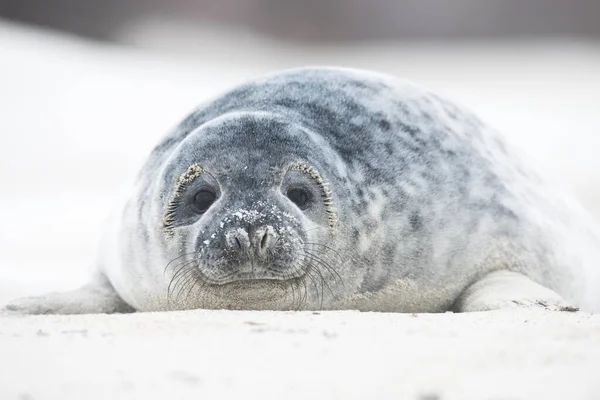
x=302, y=355
x=77, y=120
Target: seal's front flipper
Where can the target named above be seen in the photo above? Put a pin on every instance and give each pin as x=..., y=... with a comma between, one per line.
x=505, y=289
x=95, y=298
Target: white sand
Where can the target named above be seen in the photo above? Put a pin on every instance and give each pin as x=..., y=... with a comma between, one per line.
x=268, y=355
x=76, y=121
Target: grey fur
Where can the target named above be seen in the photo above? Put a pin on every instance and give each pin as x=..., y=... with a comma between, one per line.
x=415, y=206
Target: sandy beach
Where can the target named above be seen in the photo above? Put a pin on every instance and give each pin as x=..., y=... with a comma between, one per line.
x=326, y=355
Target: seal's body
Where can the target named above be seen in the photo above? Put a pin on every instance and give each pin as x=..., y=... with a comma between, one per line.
x=326, y=188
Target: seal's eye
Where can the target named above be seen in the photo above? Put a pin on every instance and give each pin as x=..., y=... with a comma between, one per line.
x=203, y=200
x=299, y=197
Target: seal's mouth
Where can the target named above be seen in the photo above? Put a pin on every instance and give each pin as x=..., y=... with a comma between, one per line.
x=252, y=278
x=248, y=291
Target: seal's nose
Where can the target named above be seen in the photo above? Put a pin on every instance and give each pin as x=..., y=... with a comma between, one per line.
x=259, y=241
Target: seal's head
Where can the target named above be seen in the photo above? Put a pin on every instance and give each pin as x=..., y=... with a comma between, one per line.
x=247, y=217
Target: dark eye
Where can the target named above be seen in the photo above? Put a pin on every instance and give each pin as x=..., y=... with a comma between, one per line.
x=299, y=197
x=203, y=200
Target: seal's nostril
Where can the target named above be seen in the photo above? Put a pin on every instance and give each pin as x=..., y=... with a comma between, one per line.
x=263, y=242
x=237, y=240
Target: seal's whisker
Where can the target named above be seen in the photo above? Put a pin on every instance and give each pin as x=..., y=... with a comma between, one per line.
x=180, y=283
x=325, y=254
x=175, y=259
x=305, y=296
x=184, y=285
x=326, y=265
x=182, y=265
x=184, y=280
x=334, y=274
x=298, y=291
x=323, y=281
x=329, y=248
x=286, y=291
x=182, y=269
x=290, y=288
x=180, y=272
x=175, y=280
x=193, y=285
x=293, y=287
x=309, y=274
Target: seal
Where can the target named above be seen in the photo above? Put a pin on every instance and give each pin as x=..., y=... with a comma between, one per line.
x=330, y=188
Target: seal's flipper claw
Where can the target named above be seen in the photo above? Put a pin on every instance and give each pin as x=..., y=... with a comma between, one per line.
x=93, y=298
x=506, y=289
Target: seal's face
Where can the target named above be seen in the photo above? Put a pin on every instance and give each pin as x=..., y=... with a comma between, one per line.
x=242, y=227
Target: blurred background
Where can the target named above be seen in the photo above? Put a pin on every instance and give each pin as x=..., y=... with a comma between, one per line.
x=87, y=88
x=322, y=20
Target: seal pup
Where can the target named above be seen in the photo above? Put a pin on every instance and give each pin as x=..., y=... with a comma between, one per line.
x=331, y=188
